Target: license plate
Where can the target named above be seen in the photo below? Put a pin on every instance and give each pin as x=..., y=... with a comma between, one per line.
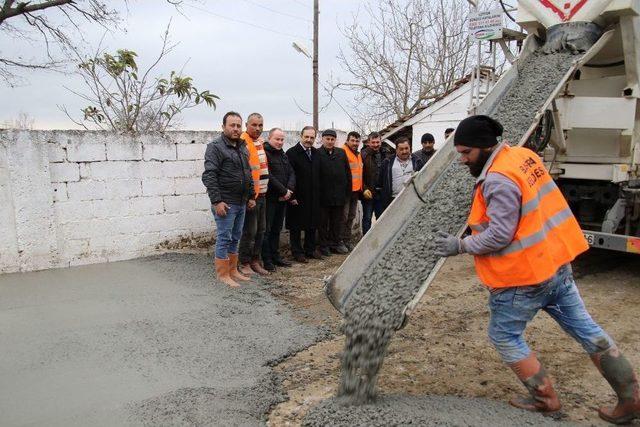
x=591, y=239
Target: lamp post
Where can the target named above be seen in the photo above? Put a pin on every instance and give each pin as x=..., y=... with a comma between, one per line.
x=314, y=60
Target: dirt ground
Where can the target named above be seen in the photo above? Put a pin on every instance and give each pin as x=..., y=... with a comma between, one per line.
x=445, y=351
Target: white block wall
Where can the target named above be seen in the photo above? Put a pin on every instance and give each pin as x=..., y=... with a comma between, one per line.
x=74, y=197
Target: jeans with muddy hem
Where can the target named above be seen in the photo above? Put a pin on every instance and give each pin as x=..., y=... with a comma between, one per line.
x=513, y=308
x=229, y=230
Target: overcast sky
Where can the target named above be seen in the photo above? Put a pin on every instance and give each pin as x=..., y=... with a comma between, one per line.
x=225, y=50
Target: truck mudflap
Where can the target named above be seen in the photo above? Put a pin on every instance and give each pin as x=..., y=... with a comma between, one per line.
x=614, y=242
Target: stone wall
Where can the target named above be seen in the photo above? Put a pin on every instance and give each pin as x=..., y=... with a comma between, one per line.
x=75, y=197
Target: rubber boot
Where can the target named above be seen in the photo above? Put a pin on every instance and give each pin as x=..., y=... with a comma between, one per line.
x=222, y=273
x=233, y=269
x=617, y=370
x=257, y=267
x=543, y=397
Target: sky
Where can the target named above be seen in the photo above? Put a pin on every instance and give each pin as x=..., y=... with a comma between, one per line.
x=240, y=50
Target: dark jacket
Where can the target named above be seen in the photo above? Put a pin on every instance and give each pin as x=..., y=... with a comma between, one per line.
x=424, y=156
x=227, y=175
x=333, y=177
x=372, y=163
x=305, y=215
x=281, y=175
x=386, y=175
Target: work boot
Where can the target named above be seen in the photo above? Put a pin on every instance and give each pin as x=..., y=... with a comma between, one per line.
x=257, y=267
x=340, y=249
x=233, y=269
x=282, y=263
x=315, y=255
x=543, y=397
x=324, y=251
x=245, y=269
x=300, y=258
x=222, y=273
x=617, y=370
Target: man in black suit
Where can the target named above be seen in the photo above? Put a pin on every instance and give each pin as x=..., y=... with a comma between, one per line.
x=331, y=167
x=302, y=211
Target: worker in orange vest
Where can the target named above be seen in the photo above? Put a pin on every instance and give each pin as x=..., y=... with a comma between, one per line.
x=524, y=237
x=351, y=207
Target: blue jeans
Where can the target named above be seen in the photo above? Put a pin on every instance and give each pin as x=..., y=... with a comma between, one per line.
x=512, y=308
x=229, y=230
x=369, y=207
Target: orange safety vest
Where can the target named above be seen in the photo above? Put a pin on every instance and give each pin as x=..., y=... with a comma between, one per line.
x=548, y=235
x=254, y=161
x=355, y=164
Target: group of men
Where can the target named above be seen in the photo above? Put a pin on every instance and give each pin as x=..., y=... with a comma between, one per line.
x=254, y=185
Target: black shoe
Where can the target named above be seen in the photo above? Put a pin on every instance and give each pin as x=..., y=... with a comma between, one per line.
x=282, y=263
x=269, y=266
x=324, y=251
x=315, y=255
x=340, y=249
x=350, y=246
x=300, y=258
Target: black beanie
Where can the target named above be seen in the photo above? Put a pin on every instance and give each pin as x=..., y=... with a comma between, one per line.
x=427, y=137
x=478, y=131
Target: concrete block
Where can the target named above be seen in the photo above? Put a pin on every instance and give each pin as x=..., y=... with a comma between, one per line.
x=86, y=152
x=103, y=209
x=199, y=167
x=189, y=186
x=76, y=248
x=163, y=151
x=91, y=259
x=64, y=172
x=56, y=153
x=146, y=206
x=86, y=190
x=85, y=170
x=115, y=170
x=60, y=192
x=123, y=188
x=203, y=203
x=76, y=230
x=72, y=211
x=174, y=204
x=151, y=169
x=179, y=169
x=158, y=187
x=124, y=150
x=191, y=151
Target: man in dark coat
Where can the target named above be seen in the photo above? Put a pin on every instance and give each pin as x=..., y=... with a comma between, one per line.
x=331, y=167
x=372, y=158
x=282, y=183
x=427, y=141
x=397, y=171
x=302, y=211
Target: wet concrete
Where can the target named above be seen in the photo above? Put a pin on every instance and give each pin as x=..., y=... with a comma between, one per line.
x=145, y=342
x=424, y=411
x=374, y=311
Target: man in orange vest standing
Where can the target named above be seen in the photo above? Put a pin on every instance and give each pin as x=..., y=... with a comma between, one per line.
x=255, y=219
x=351, y=207
x=524, y=237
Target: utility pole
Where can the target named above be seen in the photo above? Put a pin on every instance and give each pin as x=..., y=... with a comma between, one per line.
x=316, y=13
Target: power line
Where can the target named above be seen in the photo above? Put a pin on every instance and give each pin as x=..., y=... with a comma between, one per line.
x=300, y=3
x=277, y=11
x=239, y=21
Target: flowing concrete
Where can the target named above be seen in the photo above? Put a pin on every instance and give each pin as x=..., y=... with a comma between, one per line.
x=146, y=342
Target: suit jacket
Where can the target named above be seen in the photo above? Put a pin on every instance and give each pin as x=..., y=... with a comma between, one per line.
x=303, y=216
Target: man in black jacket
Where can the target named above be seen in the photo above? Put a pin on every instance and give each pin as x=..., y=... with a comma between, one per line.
x=282, y=183
x=372, y=159
x=427, y=141
x=227, y=176
x=397, y=170
x=302, y=212
x=334, y=189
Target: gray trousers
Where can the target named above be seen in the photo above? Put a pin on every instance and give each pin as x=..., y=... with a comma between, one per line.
x=255, y=221
x=349, y=215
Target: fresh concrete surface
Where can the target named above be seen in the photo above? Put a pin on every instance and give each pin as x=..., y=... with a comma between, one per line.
x=153, y=341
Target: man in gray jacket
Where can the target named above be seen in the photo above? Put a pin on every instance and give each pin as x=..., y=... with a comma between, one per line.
x=227, y=176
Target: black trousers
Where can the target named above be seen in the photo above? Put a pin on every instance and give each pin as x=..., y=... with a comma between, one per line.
x=295, y=239
x=275, y=219
x=331, y=224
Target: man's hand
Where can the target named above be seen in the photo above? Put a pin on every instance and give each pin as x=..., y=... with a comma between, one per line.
x=251, y=204
x=367, y=194
x=288, y=195
x=221, y=208
x=447, y=245
x=260, y=140
x=294, y=202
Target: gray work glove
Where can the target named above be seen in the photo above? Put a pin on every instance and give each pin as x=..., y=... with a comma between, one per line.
x=447, y=244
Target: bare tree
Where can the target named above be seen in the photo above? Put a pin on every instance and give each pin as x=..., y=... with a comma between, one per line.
x=124, y=99
x=56, y=24
x=23, y=122
x=411, y=52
